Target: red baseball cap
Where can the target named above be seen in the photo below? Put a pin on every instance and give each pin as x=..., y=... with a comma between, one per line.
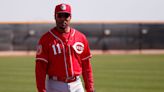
x=63, y=8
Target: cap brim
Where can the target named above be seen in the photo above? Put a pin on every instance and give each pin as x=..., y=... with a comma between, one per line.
x=64, y=12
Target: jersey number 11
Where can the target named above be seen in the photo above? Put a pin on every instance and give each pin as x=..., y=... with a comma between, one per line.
x=56, y=48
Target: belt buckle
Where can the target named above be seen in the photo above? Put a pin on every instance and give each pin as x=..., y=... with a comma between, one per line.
x=67, y=80
x=71, y=79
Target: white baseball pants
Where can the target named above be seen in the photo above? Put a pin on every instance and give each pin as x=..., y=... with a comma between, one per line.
x=58, y=86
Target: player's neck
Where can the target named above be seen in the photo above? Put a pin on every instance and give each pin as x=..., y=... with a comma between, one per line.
x=66, y=30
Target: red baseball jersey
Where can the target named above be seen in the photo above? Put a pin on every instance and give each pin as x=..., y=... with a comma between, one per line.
x=63, y=53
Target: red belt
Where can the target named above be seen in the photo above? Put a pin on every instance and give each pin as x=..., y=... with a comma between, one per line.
x=64, y=79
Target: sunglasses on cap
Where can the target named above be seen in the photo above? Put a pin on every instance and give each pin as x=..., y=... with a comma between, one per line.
x=62, y=15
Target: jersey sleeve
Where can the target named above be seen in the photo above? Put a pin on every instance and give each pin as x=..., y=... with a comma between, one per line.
x=87, y=68
x=88, y=76
x=42, y=51
x=41, y=65
x=86, y=53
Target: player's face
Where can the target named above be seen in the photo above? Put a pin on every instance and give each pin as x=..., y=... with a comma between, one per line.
x=62, y=20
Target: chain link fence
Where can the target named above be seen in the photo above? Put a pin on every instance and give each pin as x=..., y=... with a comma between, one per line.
x=101, y=36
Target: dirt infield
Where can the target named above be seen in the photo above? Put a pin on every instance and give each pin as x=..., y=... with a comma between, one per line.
x=32, y=53
x=17, y=53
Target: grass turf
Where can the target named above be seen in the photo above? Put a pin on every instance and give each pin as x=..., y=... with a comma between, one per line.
x=112, y=73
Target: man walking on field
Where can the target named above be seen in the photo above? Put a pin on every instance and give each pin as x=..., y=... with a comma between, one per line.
x=63, y=54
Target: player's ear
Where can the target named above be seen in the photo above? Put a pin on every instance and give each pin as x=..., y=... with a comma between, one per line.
x=55, y=16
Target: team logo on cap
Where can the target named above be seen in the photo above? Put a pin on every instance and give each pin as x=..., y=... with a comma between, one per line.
x=78, y=47
x=63, y=7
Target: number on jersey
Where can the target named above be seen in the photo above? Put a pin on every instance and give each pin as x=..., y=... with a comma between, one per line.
x=56, y=48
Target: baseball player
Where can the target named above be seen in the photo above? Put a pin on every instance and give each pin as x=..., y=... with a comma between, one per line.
x=63, y=54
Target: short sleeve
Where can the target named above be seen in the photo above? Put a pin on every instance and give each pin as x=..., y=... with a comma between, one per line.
x=42, y=51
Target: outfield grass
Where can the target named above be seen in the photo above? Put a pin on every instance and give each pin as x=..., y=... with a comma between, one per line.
x=112, y=73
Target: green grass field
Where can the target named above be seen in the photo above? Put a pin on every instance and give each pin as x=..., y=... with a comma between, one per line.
x=112, y=73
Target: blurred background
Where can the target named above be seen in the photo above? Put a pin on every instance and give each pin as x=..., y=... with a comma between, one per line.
x=126, y=38
x=108, y=24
